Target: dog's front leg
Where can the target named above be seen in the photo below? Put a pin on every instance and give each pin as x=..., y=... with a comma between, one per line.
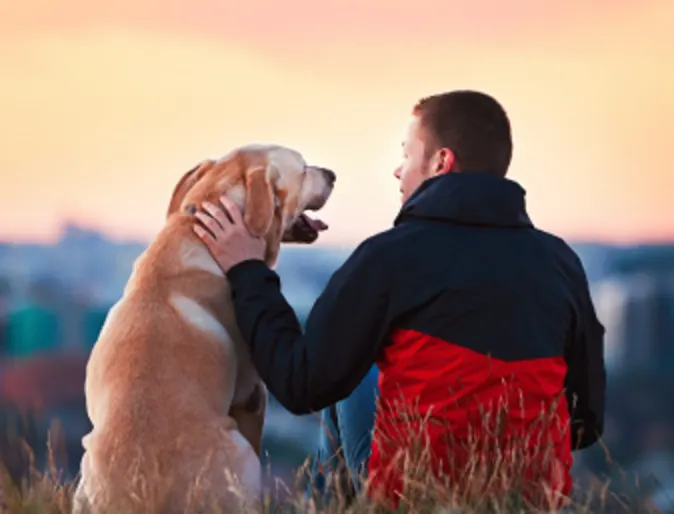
x=249, y=416
x=80, y=500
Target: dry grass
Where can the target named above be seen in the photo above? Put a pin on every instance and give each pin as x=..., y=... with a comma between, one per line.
x=45, y=493
x=499, y=474
x=422, y=493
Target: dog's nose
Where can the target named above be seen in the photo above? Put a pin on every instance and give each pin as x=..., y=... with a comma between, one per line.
x=329, y=174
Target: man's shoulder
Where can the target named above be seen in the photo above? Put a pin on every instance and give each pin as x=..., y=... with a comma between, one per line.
x=562, y=251
x=383, y=248
x=394, y=238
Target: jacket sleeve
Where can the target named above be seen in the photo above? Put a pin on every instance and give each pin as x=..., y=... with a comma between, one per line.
x=586, y=375
x=343, y=333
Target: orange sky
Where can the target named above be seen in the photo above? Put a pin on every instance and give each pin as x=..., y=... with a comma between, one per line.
x=103, y=105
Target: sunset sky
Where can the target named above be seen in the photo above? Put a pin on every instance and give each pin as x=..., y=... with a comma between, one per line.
x=103, y=105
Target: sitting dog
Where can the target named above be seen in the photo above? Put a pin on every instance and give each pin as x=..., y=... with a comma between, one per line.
x=176, y=405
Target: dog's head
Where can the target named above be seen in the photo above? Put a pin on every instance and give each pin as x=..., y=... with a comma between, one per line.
x=272, y=185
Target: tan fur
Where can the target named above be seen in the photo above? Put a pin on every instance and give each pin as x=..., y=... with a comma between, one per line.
x=259, y=202
x=176, y=404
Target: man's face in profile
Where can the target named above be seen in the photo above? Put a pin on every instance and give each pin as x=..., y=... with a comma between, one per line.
x=417, y=160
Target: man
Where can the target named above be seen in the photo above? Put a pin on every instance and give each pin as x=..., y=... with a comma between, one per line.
x=481, y=325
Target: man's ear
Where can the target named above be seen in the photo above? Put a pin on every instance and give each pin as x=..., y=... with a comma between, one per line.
x=185, y=184
x=446, y=161
x=260, y=205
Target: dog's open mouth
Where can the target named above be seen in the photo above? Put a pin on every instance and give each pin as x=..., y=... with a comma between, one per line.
x=304, y=230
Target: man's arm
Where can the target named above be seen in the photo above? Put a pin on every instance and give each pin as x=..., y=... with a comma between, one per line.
x=586, y=376
x=344, y=332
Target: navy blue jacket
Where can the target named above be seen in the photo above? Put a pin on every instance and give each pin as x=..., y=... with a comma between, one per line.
x=464, y=266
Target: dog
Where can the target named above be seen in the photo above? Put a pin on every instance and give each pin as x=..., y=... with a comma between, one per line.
x=176, y=404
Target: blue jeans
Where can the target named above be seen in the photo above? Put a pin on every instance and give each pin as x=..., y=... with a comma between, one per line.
x=344, y=441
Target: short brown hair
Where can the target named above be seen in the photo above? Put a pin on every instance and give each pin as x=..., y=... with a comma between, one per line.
x=471, y=124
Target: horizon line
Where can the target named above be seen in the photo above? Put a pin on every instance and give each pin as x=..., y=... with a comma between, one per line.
x=121, y=239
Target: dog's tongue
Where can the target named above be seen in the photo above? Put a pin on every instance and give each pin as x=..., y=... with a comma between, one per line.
x=316, y=224
x=304, y=230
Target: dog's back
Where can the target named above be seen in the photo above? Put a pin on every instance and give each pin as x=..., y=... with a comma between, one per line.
x=162, y=346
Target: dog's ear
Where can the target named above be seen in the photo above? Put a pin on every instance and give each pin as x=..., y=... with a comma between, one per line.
x=185, y=184
x=260, y=205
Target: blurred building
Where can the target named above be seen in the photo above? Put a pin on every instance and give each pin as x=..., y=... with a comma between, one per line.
x=638, y=313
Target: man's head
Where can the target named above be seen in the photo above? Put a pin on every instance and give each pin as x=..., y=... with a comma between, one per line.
x=454, y=132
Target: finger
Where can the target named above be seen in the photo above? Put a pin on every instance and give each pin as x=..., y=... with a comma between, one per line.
x=217, y=213
x=210, y=223
x=205, y=236
x=232, y=209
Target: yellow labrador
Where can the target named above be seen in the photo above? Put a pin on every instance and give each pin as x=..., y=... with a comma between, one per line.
x=176, y=404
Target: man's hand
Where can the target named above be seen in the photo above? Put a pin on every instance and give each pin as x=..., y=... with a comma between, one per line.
x=226, y=235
